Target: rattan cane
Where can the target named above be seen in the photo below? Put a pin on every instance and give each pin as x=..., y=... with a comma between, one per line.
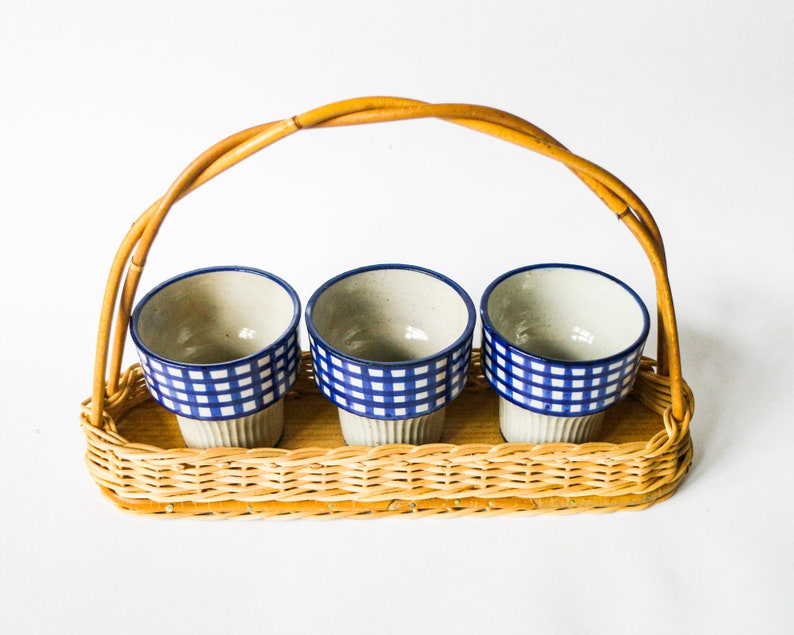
x=137, y=457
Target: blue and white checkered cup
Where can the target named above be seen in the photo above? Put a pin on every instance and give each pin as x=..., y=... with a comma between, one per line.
x=219, y=348
x=390, y=346
x=561, y=344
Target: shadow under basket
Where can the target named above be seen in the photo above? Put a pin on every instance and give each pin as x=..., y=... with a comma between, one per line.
x=136, y=454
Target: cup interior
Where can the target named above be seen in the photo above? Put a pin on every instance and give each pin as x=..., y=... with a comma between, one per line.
x=566, y=313
x=215, y=316
x=390, y=314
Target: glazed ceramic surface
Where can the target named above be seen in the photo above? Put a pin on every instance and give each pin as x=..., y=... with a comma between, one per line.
x=562, y=340
x=390, y=341
x=263, y=429
x=358, y=430
x=518, y=424
x=218, y=343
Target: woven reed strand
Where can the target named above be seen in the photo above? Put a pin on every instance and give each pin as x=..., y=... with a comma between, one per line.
x=395, y=479
x=422, y=480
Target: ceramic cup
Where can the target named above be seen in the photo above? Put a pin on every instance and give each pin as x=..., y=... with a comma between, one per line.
x=561, y=344
x=390, y=346
x=219, y=348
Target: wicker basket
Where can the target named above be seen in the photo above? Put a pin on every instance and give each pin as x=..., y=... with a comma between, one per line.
x=136, y=454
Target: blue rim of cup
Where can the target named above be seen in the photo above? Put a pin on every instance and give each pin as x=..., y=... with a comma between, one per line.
x=293, y=324
x=489, y=326
x=557, y=393
x=466, y=334
x=356, y=394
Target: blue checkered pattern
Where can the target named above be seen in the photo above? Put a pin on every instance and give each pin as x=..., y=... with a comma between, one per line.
x=224, y=391
x=559, y=388
x=390, y=391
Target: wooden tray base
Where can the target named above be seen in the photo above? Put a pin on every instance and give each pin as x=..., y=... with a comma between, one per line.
x=311, y=421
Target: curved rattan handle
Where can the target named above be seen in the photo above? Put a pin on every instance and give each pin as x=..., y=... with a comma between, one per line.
x=132, y=253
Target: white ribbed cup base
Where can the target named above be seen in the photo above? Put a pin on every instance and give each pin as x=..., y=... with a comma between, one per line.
x=260, y=430
x=358, y=430
x=524, y=426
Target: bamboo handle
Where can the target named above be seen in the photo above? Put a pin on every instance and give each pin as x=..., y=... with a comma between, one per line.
x=132, y=254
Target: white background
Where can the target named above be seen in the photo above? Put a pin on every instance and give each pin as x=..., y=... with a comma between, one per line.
x=689, y=103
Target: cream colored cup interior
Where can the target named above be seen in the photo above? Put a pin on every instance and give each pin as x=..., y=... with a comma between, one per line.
x=565, y=314
x=390, y=315
x=215, y=317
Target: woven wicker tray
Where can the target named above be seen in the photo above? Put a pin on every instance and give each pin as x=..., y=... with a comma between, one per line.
x=136, y=455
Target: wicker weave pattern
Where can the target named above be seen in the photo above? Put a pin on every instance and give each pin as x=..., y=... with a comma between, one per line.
x=393, y=479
